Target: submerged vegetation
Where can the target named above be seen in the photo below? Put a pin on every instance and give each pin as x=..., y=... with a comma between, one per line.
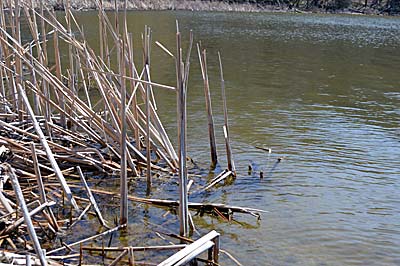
x=55, y=134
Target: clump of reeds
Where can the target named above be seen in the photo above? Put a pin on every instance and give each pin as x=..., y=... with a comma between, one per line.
x=52, y=130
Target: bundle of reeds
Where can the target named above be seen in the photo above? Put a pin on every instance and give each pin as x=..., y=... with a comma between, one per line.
x=52, y=129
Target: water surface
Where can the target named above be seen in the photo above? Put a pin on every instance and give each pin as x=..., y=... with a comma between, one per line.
x=323, y=91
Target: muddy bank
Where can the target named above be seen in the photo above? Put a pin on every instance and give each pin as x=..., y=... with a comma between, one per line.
x=257, y=6
x=165, y=5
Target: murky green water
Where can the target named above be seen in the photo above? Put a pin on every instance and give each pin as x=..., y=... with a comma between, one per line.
x=323, y=91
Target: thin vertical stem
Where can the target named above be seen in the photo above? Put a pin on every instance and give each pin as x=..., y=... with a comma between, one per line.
x=43, y=60
x=148, y=145
x=133, y=91
x=18, y=61
x=181, y=109
x=147, y=105
x=101, y=25
x=124, y=180
x=231, y=164
x=210, y=119
x=58, y=75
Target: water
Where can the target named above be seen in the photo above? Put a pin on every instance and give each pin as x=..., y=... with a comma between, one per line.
x=323, y=91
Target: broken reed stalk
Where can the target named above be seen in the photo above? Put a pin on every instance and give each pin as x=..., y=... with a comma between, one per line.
x=42, y=193
x=208, y=241
x=108, y=129
x=146, y=56
x=46, y=89
x=210, y=119
x=91, y=198
x=231, y=164
x=123, y=175
x=48, y=151
x=25, y=212
x=5, y=201
x=18, y=63
x=181, y=113
x=148, y=146
x=71, y=80
x=119, y=257
x=203, y=207
x=222, y=176
x=18, y=222
x=57, y=57
x=68, y=246
x=133, y=92
x=101, y=29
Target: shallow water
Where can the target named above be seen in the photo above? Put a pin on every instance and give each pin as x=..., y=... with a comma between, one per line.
x=323, y=91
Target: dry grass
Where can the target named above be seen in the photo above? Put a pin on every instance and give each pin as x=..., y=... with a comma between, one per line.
x=195, y=5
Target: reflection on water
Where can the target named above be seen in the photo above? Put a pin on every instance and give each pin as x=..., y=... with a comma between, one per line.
x=324, y=92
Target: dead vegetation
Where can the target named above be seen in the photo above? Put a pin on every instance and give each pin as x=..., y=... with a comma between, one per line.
x=53, y=132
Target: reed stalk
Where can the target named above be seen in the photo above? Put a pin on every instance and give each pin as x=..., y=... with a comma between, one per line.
x=181, y=114
x=231, y=164
x=65, y=127
x=49, y=153
x=27, y=217
x=147, y=93
x=91, y=198
x=207, y=95
x=42, y=193
x=124, y=180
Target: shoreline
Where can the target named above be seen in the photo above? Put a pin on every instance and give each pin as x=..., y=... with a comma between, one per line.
x=219, y=6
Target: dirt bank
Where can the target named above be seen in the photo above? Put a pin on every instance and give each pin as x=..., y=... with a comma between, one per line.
x=251, y=6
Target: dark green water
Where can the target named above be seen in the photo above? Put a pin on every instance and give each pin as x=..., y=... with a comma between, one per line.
x=323, y=91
